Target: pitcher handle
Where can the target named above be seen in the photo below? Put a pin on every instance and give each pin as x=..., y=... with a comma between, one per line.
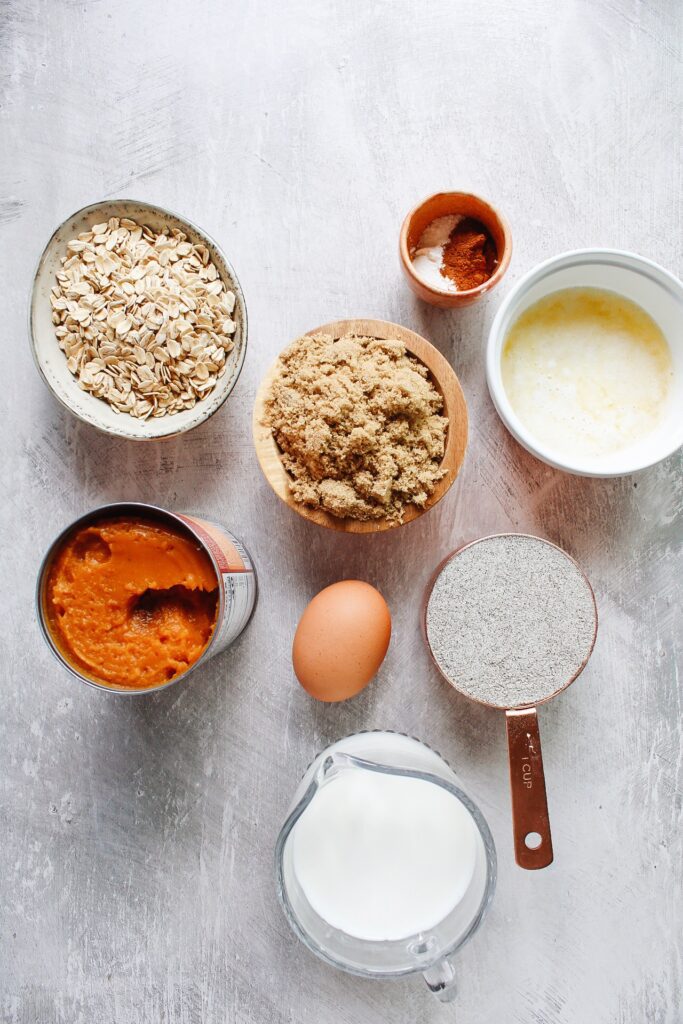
x=440, y=978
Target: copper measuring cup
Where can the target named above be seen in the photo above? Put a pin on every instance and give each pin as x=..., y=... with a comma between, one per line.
x=530, y=820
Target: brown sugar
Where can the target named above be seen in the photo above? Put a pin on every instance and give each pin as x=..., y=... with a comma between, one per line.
x=359, y=425
x=469, y=256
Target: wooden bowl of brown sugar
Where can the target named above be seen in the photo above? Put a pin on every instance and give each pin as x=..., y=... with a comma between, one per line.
x=442, y=378
x=467, y=256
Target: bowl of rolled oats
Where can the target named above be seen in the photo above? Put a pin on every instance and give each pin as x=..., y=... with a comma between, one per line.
x=137, y=320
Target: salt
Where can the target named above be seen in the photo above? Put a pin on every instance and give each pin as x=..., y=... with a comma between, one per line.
x=428, y=255
x=510, y=620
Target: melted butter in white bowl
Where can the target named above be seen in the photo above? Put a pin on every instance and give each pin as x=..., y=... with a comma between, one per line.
x=587, y=371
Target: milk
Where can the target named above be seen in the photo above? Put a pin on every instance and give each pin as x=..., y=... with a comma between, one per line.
x=384, y=857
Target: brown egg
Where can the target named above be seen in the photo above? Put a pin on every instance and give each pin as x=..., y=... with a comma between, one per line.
x=341, y=640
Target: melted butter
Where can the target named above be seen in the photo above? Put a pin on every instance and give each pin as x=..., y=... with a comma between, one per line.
x=587, y=371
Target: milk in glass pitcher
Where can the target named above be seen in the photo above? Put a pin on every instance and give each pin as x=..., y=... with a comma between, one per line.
x=384, y=866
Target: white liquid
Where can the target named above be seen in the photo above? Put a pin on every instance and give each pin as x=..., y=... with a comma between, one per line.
x=427, y=259
x=382, y=856
x=587, y=371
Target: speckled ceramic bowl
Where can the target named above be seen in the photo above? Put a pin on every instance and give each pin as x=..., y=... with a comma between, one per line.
x=51, y=361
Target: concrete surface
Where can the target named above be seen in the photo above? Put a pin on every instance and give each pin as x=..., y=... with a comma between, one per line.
x=137, y=881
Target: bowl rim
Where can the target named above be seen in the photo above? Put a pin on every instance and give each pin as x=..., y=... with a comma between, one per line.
x=267, y=450
x=465, y=293
x=234, y=286
x=613, y=257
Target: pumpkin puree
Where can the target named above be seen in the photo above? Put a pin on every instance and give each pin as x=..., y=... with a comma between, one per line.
x=131, y=602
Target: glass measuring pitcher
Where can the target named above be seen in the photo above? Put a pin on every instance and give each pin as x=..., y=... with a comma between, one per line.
x=427, y=949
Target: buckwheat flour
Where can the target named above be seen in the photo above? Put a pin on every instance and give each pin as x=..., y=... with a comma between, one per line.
x=510, y=620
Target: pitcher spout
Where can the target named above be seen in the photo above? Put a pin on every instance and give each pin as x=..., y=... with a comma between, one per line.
x=332, y=765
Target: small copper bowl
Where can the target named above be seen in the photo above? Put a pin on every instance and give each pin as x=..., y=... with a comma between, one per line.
x=443, y=204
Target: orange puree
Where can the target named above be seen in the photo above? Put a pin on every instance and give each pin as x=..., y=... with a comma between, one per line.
x=131, y=602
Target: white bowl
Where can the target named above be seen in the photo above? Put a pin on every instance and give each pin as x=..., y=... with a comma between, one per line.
x=658, y=292
x=51, y=361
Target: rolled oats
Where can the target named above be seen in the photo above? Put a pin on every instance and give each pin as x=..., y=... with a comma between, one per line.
x=143, y=317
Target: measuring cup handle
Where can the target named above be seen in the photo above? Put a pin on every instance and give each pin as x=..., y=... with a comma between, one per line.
x=530, y=821
x=440, y=978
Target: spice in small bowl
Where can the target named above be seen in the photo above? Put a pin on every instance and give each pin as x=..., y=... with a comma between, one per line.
x=454, y=248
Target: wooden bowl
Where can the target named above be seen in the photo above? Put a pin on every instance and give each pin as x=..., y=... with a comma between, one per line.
x=455, y=408
x=443, y=204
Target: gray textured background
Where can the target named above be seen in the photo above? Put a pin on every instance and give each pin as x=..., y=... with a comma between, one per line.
x=136, y=883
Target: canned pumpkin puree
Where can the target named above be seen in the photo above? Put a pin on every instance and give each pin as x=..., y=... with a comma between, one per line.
x=131, y=597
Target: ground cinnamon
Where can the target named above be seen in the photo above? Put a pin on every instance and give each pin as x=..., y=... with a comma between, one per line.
x=469, y=255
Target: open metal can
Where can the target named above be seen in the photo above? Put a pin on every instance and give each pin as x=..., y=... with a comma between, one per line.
x=235, y=575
